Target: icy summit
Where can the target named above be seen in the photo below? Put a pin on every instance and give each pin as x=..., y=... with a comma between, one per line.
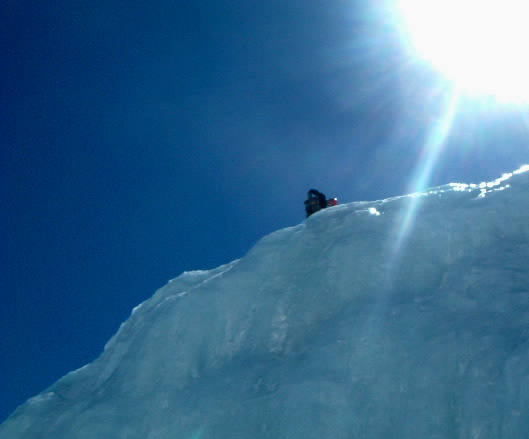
x=399, y=318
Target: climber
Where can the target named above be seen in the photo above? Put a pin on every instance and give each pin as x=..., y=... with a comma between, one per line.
x=316, y=201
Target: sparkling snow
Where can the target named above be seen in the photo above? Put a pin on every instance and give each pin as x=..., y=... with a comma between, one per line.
x=400, y=318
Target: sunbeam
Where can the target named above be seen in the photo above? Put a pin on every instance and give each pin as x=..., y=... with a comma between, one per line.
x=429, y=157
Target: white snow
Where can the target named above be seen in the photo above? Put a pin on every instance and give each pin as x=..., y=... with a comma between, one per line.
x=400, y=318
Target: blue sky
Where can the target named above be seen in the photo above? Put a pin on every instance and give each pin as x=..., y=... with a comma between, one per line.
x=143, y=140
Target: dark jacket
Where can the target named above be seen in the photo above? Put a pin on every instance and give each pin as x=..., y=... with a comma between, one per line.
x=315, y=201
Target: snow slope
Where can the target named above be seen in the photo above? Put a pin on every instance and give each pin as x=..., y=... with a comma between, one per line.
x=400, y=318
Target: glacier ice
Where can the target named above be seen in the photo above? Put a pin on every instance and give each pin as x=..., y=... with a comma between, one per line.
x=400, y=318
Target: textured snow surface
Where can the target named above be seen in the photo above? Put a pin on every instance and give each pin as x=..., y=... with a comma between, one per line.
x=400, y=318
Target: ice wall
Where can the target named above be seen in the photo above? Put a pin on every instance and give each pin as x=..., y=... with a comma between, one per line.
x=400, y=318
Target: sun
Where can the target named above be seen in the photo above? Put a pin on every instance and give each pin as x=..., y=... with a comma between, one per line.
x=481, y=45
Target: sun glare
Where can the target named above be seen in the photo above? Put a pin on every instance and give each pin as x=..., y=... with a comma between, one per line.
x=481, y=45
